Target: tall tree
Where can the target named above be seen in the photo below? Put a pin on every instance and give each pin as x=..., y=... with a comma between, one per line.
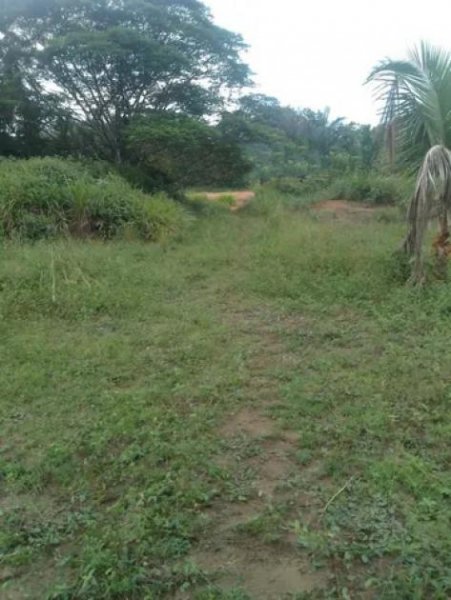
x=26, y=120
x=285, y=141
x=111, y=60
x=187, y=151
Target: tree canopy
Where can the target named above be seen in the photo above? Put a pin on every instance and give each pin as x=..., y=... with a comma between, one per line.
x=107, y=61
x=155, y=87
x=284, y=141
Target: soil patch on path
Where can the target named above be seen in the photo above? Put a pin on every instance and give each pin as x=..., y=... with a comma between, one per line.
x=250, y=541
x=345, y=210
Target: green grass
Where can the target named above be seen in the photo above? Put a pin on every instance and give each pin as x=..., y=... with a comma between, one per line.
x=119, y=361
x=373, y=188
x=44, y=198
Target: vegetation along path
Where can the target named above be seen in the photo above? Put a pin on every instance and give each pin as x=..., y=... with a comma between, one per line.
x=258, y=409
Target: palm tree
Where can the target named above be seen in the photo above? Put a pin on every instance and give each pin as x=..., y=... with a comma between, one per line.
x=416, y=96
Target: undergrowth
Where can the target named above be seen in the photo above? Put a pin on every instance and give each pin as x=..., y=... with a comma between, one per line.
x=369, y=187
x=49, y=197
x=119, y=362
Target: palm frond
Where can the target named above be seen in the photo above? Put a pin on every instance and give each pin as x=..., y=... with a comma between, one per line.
x=432, y=198
x=416, y=95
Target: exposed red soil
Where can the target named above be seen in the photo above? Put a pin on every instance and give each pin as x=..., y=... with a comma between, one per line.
x=260, y=457
x=343, y=207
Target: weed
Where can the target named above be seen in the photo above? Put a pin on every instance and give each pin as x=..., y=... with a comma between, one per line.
x=119, y=363
x=43, y=198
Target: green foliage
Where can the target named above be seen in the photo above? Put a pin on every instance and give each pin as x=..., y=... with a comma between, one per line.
x=373, y=188
x=136, y=84
x=283, y=142
x=199, y=204
x=186, y=151
x=109, y=62
x=42, y=198
x=416, y=96
x=287, y=185
x=300, y=187
x=370, y=187
x=226, y=199
x=119, y=362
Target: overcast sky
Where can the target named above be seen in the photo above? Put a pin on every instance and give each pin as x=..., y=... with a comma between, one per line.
x=317, y=53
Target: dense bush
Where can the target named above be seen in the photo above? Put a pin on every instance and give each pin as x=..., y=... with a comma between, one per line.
x=372, y=187
x=296, y=193
x=362, y=186
x=46, y=197
x=296, y=186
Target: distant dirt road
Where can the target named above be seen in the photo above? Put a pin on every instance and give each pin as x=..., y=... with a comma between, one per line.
x=343, y=206
x=345, y=210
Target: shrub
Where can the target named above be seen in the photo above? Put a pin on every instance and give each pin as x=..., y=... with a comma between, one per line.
x=287, y=185
x=46, y=197
x=294, y=186
x=373, y=188
x=360, y=187
x=226, y=199
x=200, y=205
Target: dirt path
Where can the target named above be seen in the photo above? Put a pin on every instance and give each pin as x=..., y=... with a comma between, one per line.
x=344, y=209
x=250, y=541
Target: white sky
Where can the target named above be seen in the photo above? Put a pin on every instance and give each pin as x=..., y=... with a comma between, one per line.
x=317, y=53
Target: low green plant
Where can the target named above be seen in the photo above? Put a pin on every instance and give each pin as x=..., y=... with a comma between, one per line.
x=299, y=186
x=226, y=199
x=360, y=186
x=199, y=204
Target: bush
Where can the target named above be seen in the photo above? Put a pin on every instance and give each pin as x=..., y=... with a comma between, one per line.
x=299, y=187
x=287, y=185
x=372, y=188
x=46, y=197
x=201, y=206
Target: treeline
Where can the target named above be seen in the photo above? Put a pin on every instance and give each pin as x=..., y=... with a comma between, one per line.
x=282, y=141
x=150, y=86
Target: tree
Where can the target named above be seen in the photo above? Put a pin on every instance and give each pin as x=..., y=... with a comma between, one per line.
x=180, y=149
x=111, y=60
x=416, y=96
x=27, y=119
x=284, y=141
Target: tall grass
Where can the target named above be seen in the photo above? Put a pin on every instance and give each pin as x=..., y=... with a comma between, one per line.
x=370, y=187
x=49, y=197
x=373, y=188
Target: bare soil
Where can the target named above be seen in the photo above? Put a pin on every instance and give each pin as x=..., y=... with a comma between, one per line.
x=236, y=549
x=343, y=209
x=339, y=206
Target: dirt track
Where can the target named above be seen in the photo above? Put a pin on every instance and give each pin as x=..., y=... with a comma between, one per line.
x=343, y=208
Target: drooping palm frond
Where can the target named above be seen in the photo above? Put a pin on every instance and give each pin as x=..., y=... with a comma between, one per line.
x=416, y=100
x=432, y=198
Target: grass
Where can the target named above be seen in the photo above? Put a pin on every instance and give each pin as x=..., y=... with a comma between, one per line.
x=44, y=198
x=377, y=188
x=120, y=361
x=373, y=188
